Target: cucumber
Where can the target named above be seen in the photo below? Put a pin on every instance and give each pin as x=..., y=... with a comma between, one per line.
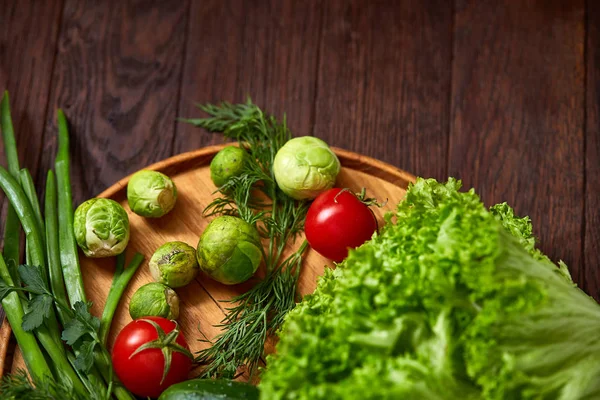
x=210, y=389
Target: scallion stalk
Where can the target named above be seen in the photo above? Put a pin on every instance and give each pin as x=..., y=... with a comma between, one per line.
x=66, y=237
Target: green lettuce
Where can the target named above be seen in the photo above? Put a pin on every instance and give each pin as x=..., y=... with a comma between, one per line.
x=450, y=301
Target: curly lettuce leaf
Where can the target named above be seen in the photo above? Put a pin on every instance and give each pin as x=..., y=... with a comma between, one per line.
x=451, y=301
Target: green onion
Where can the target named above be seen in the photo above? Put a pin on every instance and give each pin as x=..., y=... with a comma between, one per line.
x=20, y=203
x=120, y=281
x=30, y=349
x=29, y=189
x=57, y=283
x=12, y=227
x=68, y=255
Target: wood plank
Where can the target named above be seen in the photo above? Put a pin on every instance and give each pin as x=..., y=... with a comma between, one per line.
x=384, y=80
x=592, y=155
x=517, y=114
x=265, y=49
x=26, y=62
x=117, y=76
x=27, y=57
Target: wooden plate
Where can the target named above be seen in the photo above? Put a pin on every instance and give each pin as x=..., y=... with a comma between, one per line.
x=201, y=305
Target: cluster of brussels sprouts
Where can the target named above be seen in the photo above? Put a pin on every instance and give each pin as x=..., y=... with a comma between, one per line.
x=229, y=250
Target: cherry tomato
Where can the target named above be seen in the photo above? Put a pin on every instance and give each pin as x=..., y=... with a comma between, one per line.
x=336, y=221
x=142, y=374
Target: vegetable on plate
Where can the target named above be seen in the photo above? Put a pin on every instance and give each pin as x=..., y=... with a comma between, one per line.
x=338, y=220
x=227, y=163
x=229, y=250
x=254, y=197
x=452, y=301
x=101, y=228
x=150, y=354
x=174, y=264
x=156, y=300
x=151, y=194
x=304, y=167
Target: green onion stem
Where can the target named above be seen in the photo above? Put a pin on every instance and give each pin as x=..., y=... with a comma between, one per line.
x=12, y=227
x=29, y=189
x=66, y=238
x=119, y=284
x=57, y=283
x=19, y=201
x=30, y=349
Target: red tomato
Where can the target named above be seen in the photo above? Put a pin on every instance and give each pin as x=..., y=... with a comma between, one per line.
x=336, y=221
x=142, y=373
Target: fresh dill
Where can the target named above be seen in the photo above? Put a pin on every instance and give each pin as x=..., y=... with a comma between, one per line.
x=254, y=196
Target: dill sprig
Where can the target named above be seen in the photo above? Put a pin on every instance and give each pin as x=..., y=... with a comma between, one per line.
x=17, y=386
x=254, y=196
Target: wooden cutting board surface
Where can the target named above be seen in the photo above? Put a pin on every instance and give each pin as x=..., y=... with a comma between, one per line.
x=201, y=301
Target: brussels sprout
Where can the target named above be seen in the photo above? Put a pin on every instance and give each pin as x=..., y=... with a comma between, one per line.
x=174, y=264
x=151, y=194
x=227, y=163
x=229, y=250
x=154, y=300
x=304, y=167
x=101, y=228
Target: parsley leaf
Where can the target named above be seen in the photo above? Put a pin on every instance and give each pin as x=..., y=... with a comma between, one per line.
x=39, y=309
x=32, y=278
x=74, y=330
x=85, y=358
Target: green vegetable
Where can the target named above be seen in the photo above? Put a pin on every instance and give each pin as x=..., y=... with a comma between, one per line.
x=156, y=300
x=450, y=302
x=174, y=264
x=101, y=228
x=259, y=312
x=151, y=193
x=229, y=250
x=305, y=166
x=12, y=227
x=32, y=354
x=83, y=369
x=121, y=279
x=69, y=258
x=57, y=282
x=209, y=389
x=227, y=163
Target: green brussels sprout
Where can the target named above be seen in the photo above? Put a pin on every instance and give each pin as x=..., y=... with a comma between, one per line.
x=227, y=163
x=154, y=299
x=229, y=250
x=101, y=228
x=151, y=193
x=304, y=167
x=174, y=264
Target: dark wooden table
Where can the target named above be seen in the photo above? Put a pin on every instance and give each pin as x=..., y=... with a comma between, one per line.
x=502, y=94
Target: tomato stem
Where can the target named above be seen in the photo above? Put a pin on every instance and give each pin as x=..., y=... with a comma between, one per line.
x=362, y=197
x=166, y=343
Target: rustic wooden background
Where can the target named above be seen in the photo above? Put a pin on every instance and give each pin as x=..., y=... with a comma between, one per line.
x=502, y=94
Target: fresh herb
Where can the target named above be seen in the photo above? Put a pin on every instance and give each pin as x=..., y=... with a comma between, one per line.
x=17, y=386
x=259, y=312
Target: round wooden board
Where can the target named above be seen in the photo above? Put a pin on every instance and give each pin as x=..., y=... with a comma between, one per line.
x=201, y=307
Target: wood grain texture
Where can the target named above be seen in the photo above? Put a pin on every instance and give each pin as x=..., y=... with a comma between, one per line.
x=384, y=78
x=592, y=154
x=26, y=62
x=266, y=49
x=517, y=114
x=199, y=307
x=117, y=78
